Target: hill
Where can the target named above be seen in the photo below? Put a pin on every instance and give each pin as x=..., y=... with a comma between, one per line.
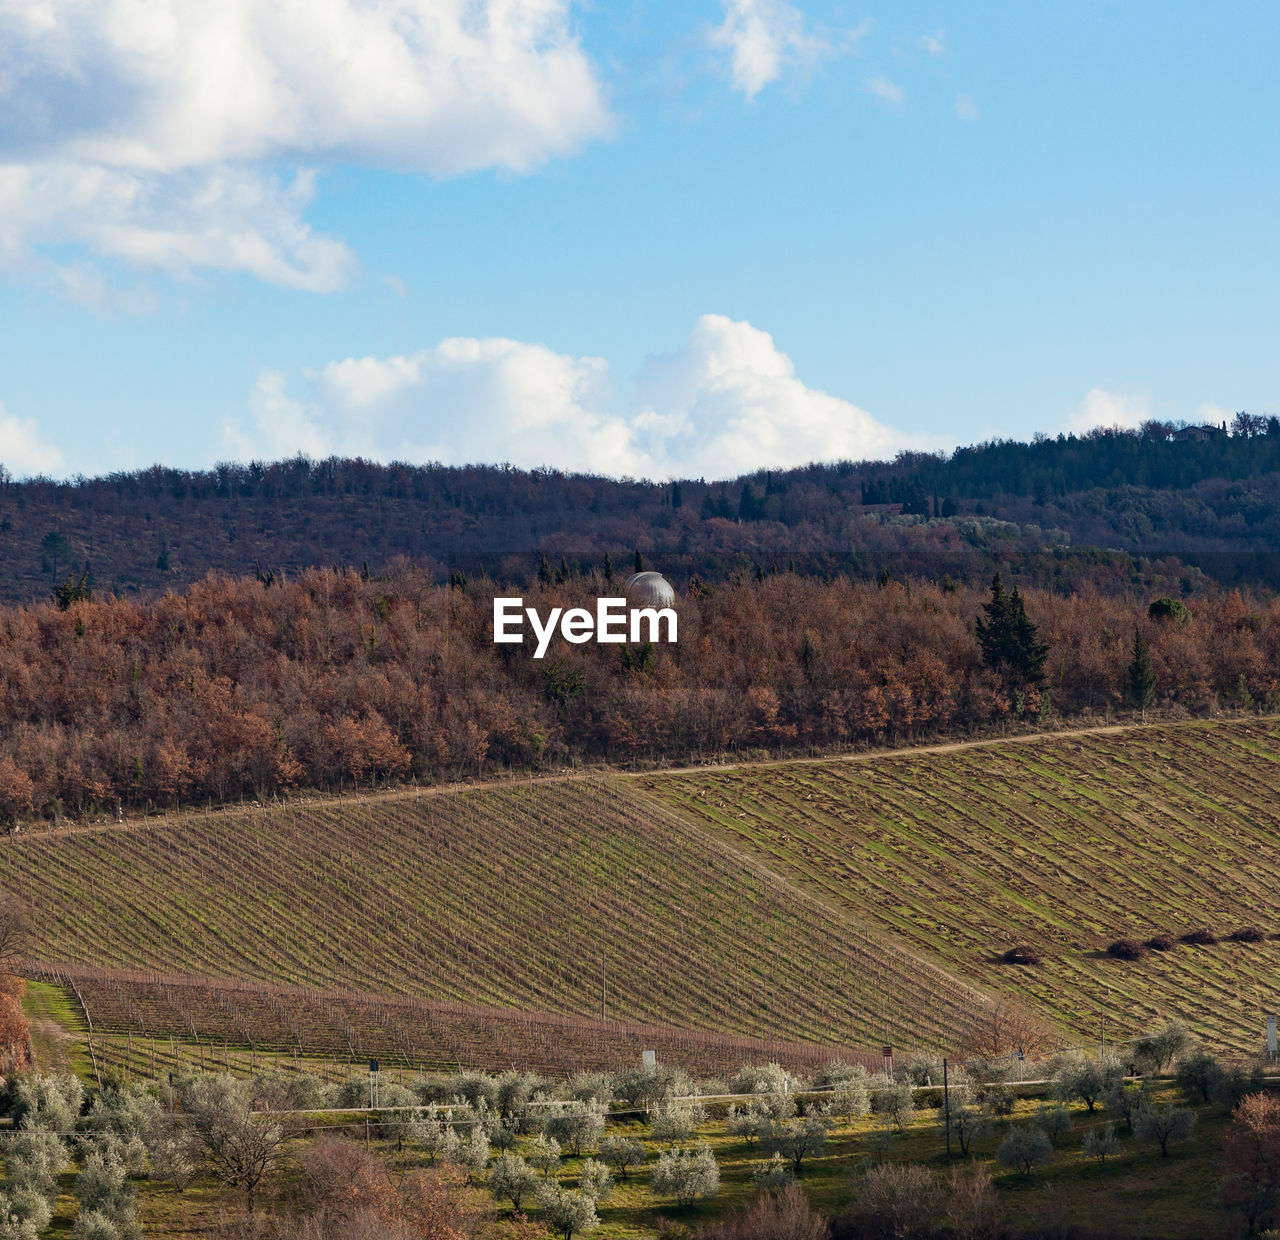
x=563, y=897
x=1063, y=844
x=1146, y=493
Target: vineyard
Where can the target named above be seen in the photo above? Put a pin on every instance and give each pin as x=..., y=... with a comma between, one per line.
x=577, y=897
x=210, y=1016
x=1064, y=845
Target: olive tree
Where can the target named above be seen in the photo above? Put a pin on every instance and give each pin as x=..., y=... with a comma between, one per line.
x=1100, y=1143
x=243, y=1146
x=579, y=1126
x=594, y=1180
x=797, y=1139
x=687, y=1175
x=512, y=1179
x=675, y=1122
x=1164, y=1125
x=1089, y=1079
x=566, y=1212
x=622, y=1154
x=1024, y=1148
x=544, y=1154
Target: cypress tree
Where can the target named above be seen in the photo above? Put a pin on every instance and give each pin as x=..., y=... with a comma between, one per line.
x=1142, y=674
x=1011, y=644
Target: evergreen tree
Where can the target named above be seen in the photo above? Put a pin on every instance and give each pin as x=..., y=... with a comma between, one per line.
x=1142, y=675
x=1010, y=643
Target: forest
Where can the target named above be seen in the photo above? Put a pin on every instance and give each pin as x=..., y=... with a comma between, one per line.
x=1146, y=493
x=334, y=679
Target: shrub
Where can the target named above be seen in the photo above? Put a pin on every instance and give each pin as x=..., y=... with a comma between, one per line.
x=1199, y=938
x=1248, y=934
x=899, y=1199
x=1024, y=1148
x=1022, y=955
x=1126, y=949
x=973, y=1208
x=1161, y=943
x=784, y=1214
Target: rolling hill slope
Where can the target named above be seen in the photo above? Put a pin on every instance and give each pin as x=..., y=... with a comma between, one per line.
x=527, y=896
x=1065, y=844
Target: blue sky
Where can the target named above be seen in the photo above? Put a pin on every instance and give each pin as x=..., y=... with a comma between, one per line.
x=636, y=237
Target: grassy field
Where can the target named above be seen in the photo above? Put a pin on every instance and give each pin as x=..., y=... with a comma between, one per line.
x=1065, y=844
x=566, y=897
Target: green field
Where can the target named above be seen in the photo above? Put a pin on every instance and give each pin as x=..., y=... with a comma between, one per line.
x=565, y=896
x=1063, y=843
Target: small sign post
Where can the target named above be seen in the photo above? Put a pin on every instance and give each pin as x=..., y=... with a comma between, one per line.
x=649, y=1062
x=887, y=1053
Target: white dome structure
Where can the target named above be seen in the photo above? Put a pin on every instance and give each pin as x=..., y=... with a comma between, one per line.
x=650, y=590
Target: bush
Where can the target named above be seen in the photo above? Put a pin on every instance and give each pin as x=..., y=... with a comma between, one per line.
x=899, y=1199
x=1199, y=938
x=1024, y=1148
x=1161, y=943
x=1126, y=949
x=1022, y=955
x=686, y=1175
x=1248, y=934
x=784, y=1214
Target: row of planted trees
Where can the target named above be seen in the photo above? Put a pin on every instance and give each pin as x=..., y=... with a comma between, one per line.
x=559, y=1150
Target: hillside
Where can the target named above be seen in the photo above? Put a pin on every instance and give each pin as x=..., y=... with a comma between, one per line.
x=1144, y=493
x=527, y=896
x=1065, y=844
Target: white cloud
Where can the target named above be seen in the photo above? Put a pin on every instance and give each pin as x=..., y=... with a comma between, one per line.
x=765, y=38
x=966, y=109
x=23, y=451
x=1214, y=414
x=727, y=402
x=1104, y=410
x=884, y=89
x=151, y=132
x=935, y=44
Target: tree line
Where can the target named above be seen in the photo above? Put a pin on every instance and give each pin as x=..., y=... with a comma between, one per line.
x=239, y=688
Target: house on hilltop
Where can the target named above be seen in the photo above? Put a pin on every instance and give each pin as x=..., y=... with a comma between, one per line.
x=1199, y=434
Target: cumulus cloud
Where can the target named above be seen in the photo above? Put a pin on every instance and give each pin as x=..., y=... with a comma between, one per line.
x=23, y=450
x=766, y=38
x=1103, y=410
x=728, y=401
x=154, y=133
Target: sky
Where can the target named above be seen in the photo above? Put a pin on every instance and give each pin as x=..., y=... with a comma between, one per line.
x=630, y=237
